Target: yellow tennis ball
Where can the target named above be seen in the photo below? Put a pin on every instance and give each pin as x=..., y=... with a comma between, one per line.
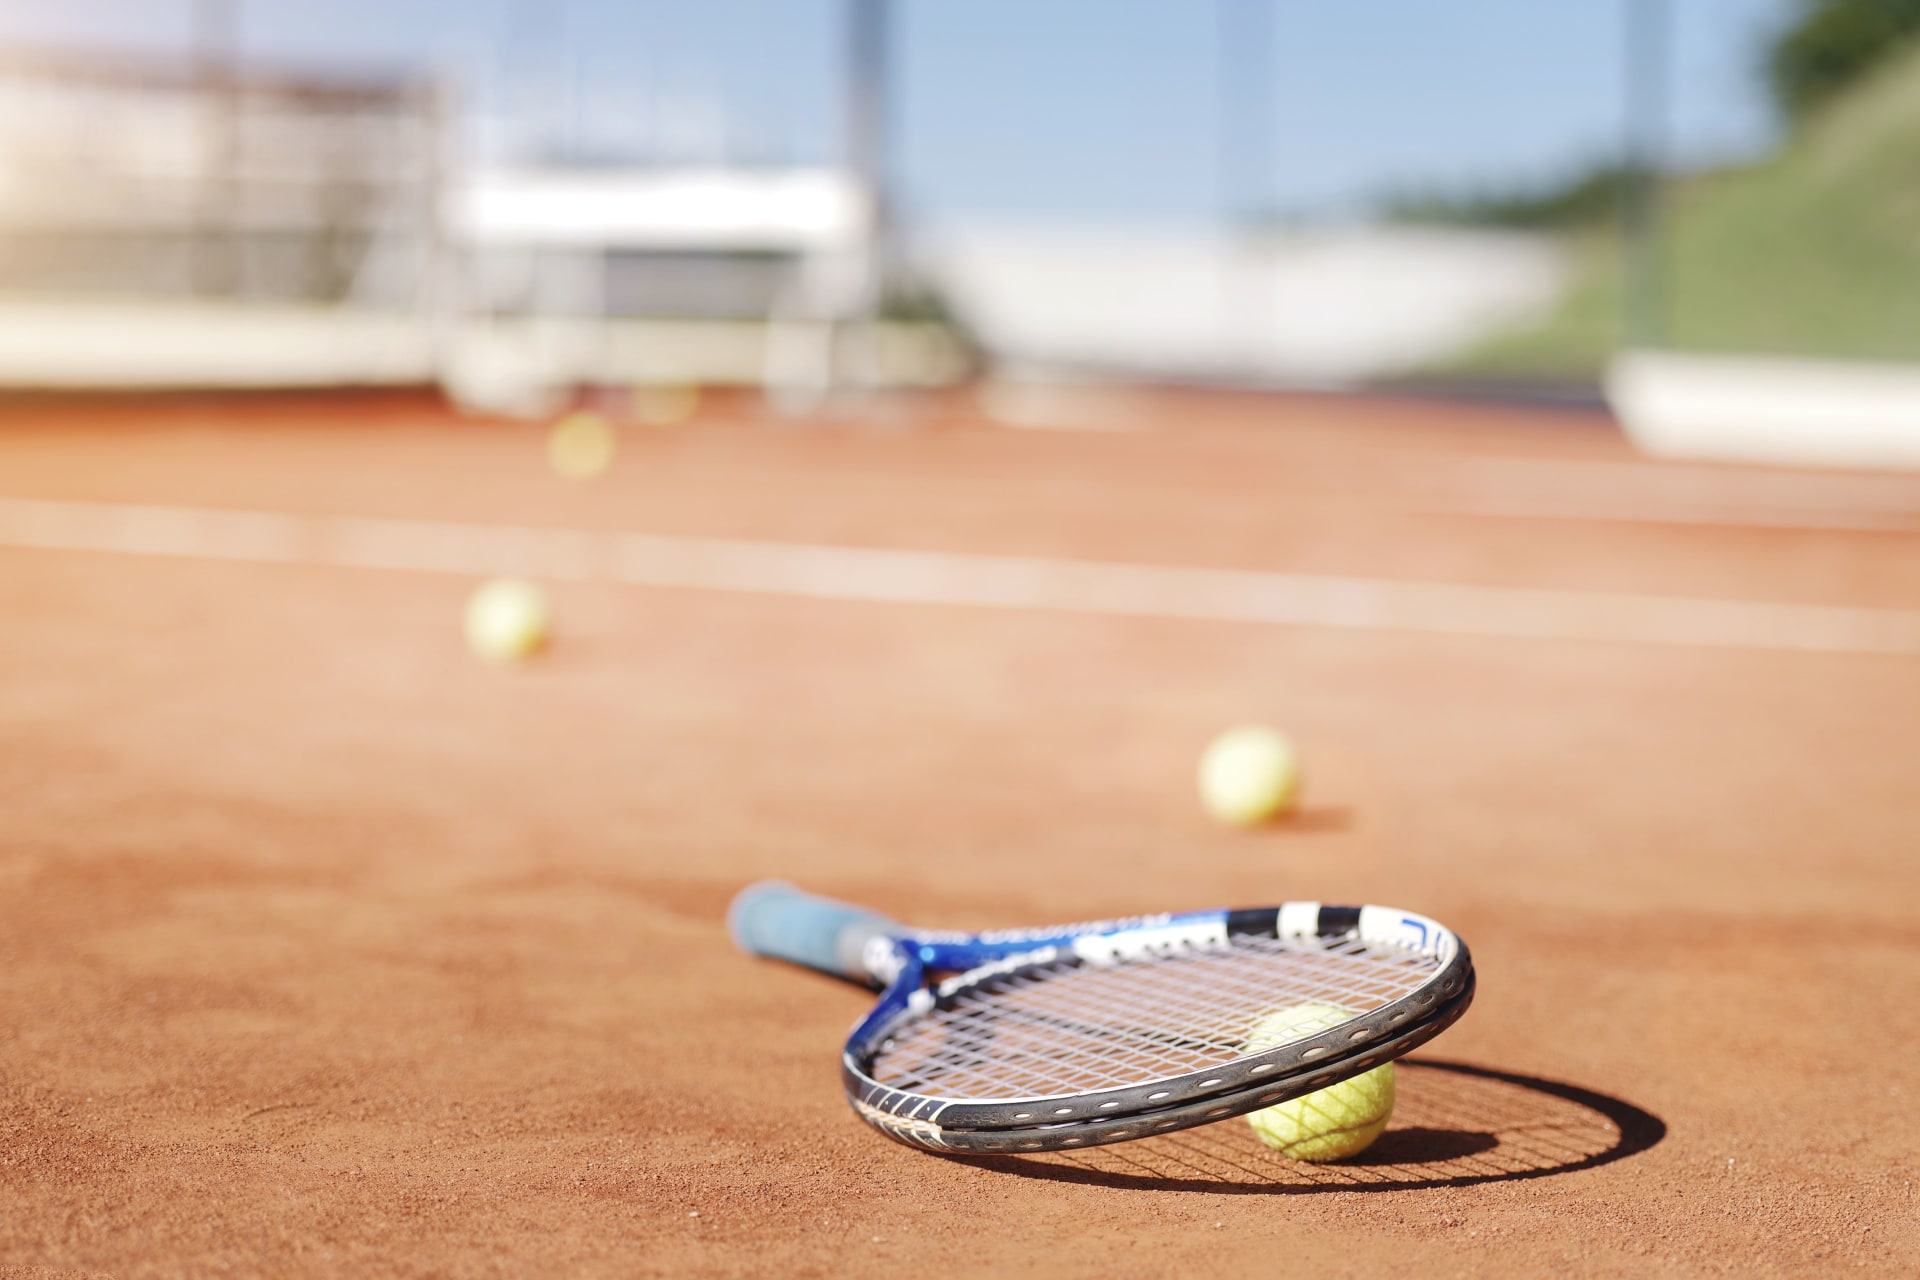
x=581, y=445
x=1248, y=775
x=507, y=620
x=1333, y=1123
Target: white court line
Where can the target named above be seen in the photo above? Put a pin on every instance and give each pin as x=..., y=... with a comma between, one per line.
x=1635, y=493
x=954, y=578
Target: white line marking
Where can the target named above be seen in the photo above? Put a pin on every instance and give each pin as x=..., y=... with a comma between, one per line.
x=1635, y=493
x=954, y=578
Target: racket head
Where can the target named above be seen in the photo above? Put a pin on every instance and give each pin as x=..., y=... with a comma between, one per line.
x=1042, y=1039
x=1105, y=1032
x=907, y=1128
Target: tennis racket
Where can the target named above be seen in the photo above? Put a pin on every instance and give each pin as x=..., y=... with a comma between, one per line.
x=1082, y=1034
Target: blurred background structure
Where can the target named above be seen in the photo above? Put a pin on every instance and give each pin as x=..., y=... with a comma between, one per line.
x=198, y=223
x=515, y=200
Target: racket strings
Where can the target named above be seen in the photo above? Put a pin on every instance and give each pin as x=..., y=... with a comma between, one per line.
x=1065, y=1029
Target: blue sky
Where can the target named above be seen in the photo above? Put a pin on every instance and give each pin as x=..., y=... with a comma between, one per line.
x=1026, y=109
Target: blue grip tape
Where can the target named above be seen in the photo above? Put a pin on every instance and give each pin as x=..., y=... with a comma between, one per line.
x=775, y=919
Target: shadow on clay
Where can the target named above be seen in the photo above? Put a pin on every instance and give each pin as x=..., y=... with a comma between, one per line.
x=1454, y=1125
x=1331, y=817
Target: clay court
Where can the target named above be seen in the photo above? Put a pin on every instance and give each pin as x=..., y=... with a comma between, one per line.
x=328, y=950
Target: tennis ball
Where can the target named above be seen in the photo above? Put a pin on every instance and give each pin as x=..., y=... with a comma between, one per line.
x=1248, y=775
x=507, y=619
x=581, y=445
x=1333, y=1123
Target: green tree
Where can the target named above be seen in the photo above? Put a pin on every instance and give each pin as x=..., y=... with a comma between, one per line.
x=1832, y=43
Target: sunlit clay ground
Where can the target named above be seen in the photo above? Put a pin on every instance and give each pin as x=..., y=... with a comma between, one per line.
x=327, y=949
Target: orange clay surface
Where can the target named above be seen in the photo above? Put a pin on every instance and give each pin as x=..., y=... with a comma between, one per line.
x=326, y=950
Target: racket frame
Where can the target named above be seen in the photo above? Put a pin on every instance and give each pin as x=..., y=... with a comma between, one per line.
x=902, y=961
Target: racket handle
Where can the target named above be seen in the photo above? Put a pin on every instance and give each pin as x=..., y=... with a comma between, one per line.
x=772, y=918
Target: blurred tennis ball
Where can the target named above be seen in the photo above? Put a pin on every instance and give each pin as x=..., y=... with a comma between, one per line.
x=581, y=445
x=1248, y=775
x=507, y=620
x=665, y=404
x=1333, y=1123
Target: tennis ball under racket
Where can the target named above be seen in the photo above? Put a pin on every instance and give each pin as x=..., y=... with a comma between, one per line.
x=1333, y=1123
x=1248, y=775
x=581, y=445
x=507, y=620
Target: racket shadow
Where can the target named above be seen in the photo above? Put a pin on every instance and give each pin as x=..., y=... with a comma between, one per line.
x=1455, y=1124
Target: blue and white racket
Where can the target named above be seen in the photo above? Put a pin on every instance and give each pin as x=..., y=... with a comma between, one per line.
x=1081, y=1034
